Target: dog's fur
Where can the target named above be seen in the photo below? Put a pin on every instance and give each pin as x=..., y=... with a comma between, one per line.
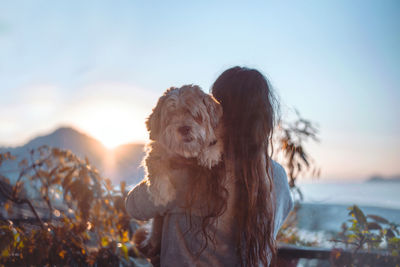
x=183, y=125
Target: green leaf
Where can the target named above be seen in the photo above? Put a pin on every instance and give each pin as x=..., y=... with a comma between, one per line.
x=359, y=216
x=104, y=241
x=378, y=218
x=389, y=233
x=21, y=245
x=124, y=250
x=374, y=226
x=5, y=253
x=125, y=237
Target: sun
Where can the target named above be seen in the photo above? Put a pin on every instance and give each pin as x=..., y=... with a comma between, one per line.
x=111, y=139
x=112, y=123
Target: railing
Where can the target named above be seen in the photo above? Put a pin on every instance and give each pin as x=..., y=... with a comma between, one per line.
x=290, y=255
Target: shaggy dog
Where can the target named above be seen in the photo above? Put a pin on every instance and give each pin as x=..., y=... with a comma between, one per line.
x=183, y=127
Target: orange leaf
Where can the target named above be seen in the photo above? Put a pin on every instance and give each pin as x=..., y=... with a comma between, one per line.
x=61, y=254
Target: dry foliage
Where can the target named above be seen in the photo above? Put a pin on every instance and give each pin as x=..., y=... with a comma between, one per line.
x=71, y=216
x=291, y=138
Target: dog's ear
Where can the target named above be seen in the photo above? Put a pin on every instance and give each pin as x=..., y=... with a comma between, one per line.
x=214, y=109
x=153, y=122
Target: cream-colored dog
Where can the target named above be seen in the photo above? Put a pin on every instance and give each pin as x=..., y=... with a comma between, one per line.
x=184, y=123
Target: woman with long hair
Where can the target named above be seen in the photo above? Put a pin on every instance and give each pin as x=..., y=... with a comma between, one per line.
x=230, y=215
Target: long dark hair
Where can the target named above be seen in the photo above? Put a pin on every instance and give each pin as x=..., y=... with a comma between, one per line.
x=248, y=118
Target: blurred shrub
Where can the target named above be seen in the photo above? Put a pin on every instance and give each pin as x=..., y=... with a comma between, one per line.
x=290, y=137
x=70, y=215
x=369, y=232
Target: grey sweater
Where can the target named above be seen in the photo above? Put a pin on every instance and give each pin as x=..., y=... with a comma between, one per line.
x=180, y=242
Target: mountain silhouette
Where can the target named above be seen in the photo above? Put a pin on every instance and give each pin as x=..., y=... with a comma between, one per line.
x=383, y=179
x=120, y=164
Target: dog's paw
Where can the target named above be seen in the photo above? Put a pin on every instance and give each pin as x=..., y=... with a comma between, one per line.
x=210, y=156
x=162, y=191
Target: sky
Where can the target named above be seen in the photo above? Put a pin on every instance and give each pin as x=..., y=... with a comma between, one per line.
x=100, y=66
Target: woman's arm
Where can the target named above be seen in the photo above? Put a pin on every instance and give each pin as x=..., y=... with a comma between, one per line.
x=140, y=205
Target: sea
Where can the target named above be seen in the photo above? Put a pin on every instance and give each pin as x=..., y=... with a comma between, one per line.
x=324, y=207
x=374, y=194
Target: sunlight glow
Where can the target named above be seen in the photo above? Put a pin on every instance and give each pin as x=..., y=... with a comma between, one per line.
x=112, y=122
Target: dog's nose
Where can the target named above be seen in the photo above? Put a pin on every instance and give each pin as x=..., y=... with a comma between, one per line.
x=184, y=130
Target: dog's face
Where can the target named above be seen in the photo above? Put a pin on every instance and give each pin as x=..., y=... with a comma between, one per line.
x=184, y=120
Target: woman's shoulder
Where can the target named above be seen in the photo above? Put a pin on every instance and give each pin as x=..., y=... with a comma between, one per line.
x=278, y=171
x=284, y=200
x=279, y=176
